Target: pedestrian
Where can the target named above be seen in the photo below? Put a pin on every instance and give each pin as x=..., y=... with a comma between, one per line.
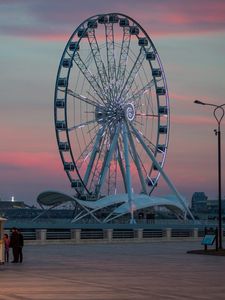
x=7, y=243
x=21, y=243
x=15, y=244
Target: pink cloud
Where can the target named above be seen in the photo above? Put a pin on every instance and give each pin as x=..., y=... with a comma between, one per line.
x=26, y=160
x=157, y=17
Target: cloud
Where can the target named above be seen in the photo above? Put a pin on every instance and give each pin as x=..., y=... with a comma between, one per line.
x=193, y=120
x=26, y=160
x=55, y=19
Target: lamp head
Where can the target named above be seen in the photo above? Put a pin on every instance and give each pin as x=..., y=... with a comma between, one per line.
x=199, y=102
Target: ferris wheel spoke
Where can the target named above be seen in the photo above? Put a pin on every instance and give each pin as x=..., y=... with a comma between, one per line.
x=81, y=125
x=146, y=115
x=107, y=159
x=93, y=128
x=94, y=98
x=110, y=47
x=146, y=148
x=82, y=98
x=141, y=92
x=138, y=122
x=84, y=154
x=94, y=152
x=131, y=76
x=91, y=79
x=102, y=75
x=150, y=144
x=142, y=164
x=136, y=161
x=123, y=58
x=97, y=166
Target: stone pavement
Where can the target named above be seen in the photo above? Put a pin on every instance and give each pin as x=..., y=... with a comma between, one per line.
x=157, y=270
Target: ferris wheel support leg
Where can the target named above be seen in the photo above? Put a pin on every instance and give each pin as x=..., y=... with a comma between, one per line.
x=93, y=154
x=106, y=163
x=166, y=178
x=86, y=213
x=136, y=161
x=128, y=174
x=122, y=168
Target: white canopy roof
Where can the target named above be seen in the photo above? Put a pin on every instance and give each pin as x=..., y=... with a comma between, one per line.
x=140, y=201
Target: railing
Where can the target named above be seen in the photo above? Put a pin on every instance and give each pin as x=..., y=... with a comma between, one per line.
x=29, y=234
x=181, y=233
x=50, y=235
x=153, y=233
x=123, y=234
x=108, y=235
x=58, y=234
x=92, y=234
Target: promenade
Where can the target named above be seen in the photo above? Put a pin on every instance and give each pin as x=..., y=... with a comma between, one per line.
x=156, y=270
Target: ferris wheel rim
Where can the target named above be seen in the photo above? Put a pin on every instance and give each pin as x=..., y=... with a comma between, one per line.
x=56, y=90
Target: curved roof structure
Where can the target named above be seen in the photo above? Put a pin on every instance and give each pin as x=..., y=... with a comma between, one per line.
x=117, y=204
x=53, y=198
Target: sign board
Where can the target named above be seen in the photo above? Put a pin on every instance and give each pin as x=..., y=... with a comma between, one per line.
x=208, y=239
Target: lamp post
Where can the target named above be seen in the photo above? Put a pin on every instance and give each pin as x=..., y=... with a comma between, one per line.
x=218, y=114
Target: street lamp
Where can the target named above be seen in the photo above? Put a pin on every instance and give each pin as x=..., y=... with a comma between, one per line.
x=218, y=114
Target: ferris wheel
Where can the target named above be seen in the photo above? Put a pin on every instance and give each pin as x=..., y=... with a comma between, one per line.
x=111, y=109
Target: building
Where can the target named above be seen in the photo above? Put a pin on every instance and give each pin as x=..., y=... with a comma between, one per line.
x=204, y=208
x=199, y=202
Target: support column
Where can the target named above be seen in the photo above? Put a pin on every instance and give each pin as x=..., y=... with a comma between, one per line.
x=168, y=233
x=41, y=235
x=139, y=234
x=109, y=235
x=195, y=233
x=75, y=235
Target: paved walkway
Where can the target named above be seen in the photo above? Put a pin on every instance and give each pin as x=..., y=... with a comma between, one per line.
x=123, y=271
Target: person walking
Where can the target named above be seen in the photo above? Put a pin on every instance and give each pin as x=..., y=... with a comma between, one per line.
x=21, y=244
x=15, y=244
x=7, y=243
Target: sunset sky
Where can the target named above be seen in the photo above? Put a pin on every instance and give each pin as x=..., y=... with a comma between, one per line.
x=190, y=39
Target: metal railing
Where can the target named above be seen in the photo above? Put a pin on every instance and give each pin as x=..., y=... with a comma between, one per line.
x=178, y=233
x=123, y=234
x=86, y=234
x=29, y=234
x=77, y=235
x=153, y=233
x=58, y=234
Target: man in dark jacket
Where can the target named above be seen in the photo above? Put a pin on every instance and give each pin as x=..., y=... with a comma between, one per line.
x=21, y=243
x=15, y=244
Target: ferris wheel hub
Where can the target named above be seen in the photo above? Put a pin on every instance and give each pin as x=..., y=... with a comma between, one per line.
x=130, y=112
x=114, y=112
